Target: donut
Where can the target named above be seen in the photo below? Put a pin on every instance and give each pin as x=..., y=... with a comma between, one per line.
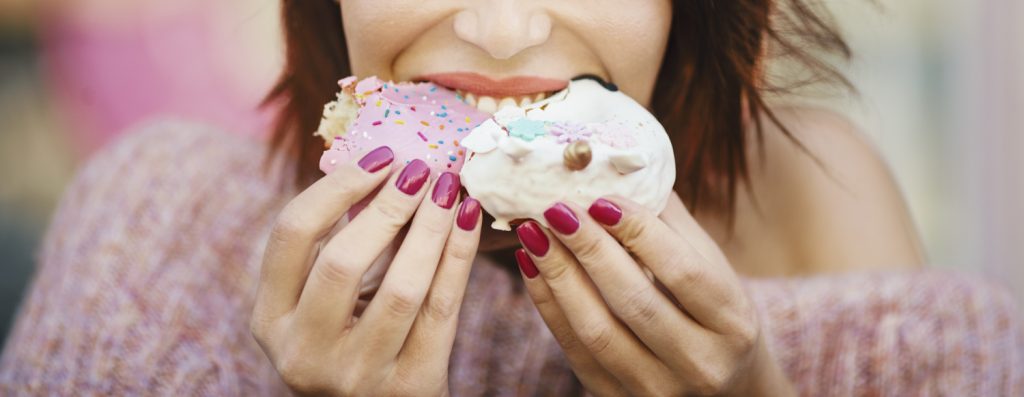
x=582, y=143
x=587, y=141
x=416, y=120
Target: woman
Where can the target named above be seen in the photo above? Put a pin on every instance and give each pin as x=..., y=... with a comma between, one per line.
x=620, y=332
x=387, y=304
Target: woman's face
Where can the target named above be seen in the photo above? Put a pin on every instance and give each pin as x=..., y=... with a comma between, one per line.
x=501, y=50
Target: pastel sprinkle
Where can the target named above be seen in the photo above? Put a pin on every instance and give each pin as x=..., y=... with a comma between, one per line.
x=378, y=122
x=423, y=137
x=441, y=127
x=432, y=89
x=456, y=142
x=441, y=142
x=378, y=103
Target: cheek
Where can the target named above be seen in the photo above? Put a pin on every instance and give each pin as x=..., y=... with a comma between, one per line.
x=631, y=44
x=376, y=32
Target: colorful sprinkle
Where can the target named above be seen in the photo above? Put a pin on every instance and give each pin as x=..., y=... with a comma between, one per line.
x=387, y=112
x=468, y=120
x=378, y=103
x=432, y=146
x=400, y=122
x=425, y=124
x=378, y=122
x=527, y=129
x=423, y=137
x=452, y=158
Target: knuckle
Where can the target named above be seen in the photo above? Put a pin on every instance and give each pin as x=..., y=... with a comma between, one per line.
x=589, y=249
x=441, y=307
x=290, y=226
x=683, y=275
x=745, y=333
x=566, y=337
x=391, y=212
x=402, y=302
x=634, y=230
x=460, y=251
x=711, y=380
x=336, y=270
x=559, y=271
x=638, y=306
x=258, y=329
x=297, y=372
x=597, y=339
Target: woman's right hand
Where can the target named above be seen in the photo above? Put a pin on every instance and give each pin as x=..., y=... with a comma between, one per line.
x=309, y=284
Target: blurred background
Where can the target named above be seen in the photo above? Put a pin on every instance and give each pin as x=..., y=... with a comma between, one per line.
x=940, y=94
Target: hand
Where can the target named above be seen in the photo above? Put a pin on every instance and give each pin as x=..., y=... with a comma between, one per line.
x=304, y=314
x=688, y=330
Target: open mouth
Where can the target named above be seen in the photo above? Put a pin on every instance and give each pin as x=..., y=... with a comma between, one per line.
x=490, y=95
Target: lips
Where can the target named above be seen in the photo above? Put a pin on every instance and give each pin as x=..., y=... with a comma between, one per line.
x=481, y=85
x=489, y=95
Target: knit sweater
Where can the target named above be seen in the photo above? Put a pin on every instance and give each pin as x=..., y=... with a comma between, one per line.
x=147, y=276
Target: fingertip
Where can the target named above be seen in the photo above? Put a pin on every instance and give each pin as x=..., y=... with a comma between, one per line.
x=468, y=218
x=526, y=265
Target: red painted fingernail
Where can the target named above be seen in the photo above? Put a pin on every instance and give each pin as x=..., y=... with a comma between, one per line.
x=533, y=238
x=469, y=212
x=526, y=264
x=446, y=190
x=377, y=159
x=561, y=218
x=413, y=177
x=606, y=212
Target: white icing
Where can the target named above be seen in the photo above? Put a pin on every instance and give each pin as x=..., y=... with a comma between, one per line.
x=522, y=179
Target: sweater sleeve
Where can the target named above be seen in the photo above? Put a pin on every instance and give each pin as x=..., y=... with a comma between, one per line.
x=144, y=282
x=885, y=334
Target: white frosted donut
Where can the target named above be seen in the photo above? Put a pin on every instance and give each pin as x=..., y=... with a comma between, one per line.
x=523, y=160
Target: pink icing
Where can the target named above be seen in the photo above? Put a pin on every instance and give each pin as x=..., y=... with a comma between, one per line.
x=417, y=120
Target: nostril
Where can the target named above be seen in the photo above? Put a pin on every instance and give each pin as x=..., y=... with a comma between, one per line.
x=466, y=26
x=502, y=34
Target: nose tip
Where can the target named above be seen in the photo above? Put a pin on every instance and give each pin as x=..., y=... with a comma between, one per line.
x=503, y=32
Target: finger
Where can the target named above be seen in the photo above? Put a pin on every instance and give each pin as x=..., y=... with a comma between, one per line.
x=386, y=323
x=630, y=295
x=707, y=288
x=305, y=220
x=327, y=301
x=590, y=373
x=681, y=221
x=609, y=341
x=674, y=213
x=433, y=332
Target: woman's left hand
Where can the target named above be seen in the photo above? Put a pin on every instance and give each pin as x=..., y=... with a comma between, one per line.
x=689, y=330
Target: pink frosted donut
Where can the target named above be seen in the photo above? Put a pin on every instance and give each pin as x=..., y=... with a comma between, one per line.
x=417, y=120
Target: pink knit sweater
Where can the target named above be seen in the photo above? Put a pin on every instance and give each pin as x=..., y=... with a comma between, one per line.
x=147, y=275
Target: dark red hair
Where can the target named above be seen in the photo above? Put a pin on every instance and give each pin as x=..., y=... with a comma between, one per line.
x=710, y=89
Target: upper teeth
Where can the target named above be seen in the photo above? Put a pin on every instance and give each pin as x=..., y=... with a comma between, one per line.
x=491, y=104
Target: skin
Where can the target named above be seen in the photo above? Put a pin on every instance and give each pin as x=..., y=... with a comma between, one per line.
x=683, y=326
